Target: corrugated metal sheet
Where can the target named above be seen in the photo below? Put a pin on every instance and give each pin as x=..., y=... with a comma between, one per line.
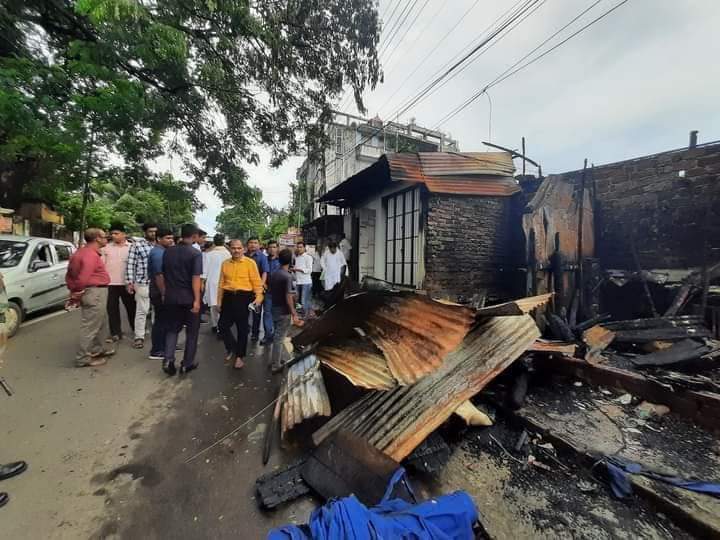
x=358, y=363
x=415, y=334
x=455, y=173
x=305, y=395
x=466, y=163
x=516, y=307
x=494, y=187
x=397, y=421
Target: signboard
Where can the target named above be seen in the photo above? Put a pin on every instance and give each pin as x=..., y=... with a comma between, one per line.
x=288, y=240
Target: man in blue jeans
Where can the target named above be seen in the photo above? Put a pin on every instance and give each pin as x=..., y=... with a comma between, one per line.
x=254, y=252
x=283, y=297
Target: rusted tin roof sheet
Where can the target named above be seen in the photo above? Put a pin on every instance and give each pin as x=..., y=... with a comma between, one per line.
x=362, y=365
x=413, y=333
x=516, y=307
x=305, y=395
x=466, y=163
x=455, y=173
x=397, y=421
x=468, y=173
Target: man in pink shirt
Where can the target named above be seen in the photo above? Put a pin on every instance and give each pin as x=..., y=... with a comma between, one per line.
x=88, y=282
x=115, y=256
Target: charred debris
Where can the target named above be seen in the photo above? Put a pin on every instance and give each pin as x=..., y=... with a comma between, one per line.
x=607, y=378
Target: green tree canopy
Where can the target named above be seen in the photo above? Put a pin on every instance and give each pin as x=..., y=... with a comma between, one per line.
x=86, y=83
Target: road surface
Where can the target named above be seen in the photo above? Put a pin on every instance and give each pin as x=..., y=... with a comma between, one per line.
x=107, y=446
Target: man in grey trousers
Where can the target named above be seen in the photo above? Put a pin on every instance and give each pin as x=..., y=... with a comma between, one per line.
x=88, y=280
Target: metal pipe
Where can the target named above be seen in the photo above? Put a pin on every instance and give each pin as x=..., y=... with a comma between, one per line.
x=693, y=138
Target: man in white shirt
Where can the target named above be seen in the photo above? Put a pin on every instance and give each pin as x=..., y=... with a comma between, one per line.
x=303, y=277
x=212, y=261
x=334, y=265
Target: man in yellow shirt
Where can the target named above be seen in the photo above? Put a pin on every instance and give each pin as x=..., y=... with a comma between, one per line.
x=240, y=285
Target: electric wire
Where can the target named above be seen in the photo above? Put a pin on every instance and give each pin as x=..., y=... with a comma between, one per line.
x=505, y=75
x=407, y=30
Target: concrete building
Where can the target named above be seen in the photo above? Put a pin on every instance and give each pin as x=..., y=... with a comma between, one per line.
x=357, y=143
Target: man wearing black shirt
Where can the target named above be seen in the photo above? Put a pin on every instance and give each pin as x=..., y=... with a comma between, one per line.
x=282, y=292
x=179, y=283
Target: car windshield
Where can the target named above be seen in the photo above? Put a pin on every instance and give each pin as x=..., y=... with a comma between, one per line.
x=11, y=253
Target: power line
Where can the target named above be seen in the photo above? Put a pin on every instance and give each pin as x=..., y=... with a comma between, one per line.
x=506, y=75
x=514, y=17
x=490, y=46
x=428, y=55
x=456, y=55
x=409, y=6
x=409, y=27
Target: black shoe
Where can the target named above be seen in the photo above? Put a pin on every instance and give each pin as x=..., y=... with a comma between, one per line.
x=213, y=329
x=12, y=469
x=185, y=370
x=4, y=498
x=169, y=368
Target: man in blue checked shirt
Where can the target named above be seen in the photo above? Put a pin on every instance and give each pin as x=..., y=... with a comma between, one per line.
x=138, y=279
x=164, y=240
x=254, y=252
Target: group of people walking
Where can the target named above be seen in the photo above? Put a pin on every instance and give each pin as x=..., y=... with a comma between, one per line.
x=242, y=287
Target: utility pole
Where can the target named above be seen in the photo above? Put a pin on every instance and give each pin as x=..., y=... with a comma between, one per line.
x=523, y=152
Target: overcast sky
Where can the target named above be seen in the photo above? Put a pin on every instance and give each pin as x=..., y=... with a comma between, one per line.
x=634, y=83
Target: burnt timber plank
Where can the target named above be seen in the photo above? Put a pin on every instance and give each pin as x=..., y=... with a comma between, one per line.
x=699, y=406
x=693, y=512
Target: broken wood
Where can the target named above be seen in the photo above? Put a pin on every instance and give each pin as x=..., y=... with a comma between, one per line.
x=557, y=347
x=691, y=282
x=680, y=352
x=281, y=486
x=700, y=406
x=472, y=415
x=662, y=334
x=346, y=464
x=639, y=269
x=431, y=456
x=597, y=340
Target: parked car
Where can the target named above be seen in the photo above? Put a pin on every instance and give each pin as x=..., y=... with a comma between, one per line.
x=33, y=270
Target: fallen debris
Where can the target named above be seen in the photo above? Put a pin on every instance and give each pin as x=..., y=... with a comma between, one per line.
x=281, y=486
x=649, y=410
x=397, y=421
x=679, y=353
x=472, y=415
x=431, y=456
x=346, y=463
x=304, y=394
x=597, y=339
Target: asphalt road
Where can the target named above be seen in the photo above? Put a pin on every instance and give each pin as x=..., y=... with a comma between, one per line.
x=107, y=447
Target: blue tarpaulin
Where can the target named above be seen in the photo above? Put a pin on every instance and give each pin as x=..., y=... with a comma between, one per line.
x=449, y=517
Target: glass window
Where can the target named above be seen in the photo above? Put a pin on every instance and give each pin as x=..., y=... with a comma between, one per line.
x=63, y=252
x=401, y=251
x=42, y=253
x=11, y=253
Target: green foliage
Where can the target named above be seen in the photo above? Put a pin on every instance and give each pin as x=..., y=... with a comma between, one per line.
x=91, y=86
x=164, y=201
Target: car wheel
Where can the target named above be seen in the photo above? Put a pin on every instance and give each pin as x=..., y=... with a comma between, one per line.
x=13, y=318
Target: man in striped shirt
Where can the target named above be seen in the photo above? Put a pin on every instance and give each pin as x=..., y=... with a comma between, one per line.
x=138, y=280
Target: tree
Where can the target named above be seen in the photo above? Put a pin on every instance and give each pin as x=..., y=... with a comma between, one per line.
x=84, y=83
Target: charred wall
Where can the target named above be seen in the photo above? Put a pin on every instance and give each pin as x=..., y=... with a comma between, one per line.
x=470, y=246
x=670, y=216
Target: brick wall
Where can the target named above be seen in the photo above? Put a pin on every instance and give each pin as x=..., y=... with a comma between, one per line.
x=469, y=246
x=670, y=217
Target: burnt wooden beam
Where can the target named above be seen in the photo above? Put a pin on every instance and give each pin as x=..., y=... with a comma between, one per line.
x=661, y=334
x=699, y=406
x=696, y=522
x=658, y=322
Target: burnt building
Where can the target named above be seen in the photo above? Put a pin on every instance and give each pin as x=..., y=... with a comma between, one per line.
x=443, y=222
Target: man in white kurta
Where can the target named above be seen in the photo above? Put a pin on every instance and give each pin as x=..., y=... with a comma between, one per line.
x=333, y=265
x=212, y=261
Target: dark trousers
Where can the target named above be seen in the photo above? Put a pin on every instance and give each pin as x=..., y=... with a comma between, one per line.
x=316, y=284
x=176, y=318
x=235, y=313
x=115, y=294
x=159, y=327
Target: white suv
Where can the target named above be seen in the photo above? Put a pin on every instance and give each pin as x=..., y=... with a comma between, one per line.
x=33, y=270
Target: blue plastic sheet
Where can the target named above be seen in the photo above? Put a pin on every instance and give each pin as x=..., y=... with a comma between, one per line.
x=619, y=469
x=449, y=517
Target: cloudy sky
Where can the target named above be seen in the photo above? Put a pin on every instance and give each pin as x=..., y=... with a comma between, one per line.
x=634, y=83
